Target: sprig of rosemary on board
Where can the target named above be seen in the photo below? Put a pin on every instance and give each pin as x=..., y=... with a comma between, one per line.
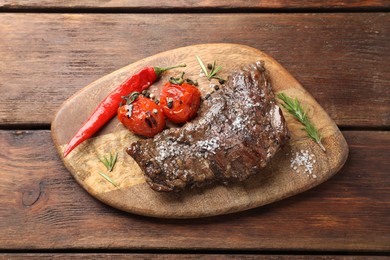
x=109, y=162
x=214, y=69
x=294, y=107
x=105, y=176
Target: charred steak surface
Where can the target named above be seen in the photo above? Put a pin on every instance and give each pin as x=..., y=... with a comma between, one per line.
x=236, y=133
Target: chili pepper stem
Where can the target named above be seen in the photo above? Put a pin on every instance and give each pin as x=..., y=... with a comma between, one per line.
x=159, y=70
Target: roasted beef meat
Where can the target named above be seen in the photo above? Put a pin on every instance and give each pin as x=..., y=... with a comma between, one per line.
x=237, y=131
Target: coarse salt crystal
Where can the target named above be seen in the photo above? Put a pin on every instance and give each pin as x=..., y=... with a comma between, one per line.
x=303, y=161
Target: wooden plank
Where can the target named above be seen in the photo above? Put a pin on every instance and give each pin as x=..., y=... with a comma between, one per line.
x=42, y=207
x=179, y=256
x=341, y=59
x=193, y=4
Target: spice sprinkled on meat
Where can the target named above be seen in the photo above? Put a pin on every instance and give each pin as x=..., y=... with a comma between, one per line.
x=238, y=130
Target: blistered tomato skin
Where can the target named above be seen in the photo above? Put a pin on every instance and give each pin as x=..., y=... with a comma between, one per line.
x=181, y=102
x=143, y=117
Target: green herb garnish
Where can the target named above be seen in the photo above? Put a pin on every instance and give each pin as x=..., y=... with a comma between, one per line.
x=212, y=72
x=105, y=176
x=109, y=162
x=294, y=107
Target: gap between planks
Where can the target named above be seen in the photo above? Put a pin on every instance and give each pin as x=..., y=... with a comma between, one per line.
x=113, y=10
x=185, y=254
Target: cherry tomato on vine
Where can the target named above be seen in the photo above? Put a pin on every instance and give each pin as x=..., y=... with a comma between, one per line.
x=180, y=102
x=141, y=115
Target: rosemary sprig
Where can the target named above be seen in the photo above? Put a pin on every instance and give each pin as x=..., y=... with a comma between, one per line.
x=294, y=107
x=212, y=74
x=109, y=162
x=105, y=176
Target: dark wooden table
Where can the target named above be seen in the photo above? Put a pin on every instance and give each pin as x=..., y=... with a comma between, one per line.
x=339, y=51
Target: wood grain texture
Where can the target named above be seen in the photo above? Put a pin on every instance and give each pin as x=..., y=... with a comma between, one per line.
x=134, y=194
x=37, y=194
x=341, y=59
x=165, y=256
x=193, y=4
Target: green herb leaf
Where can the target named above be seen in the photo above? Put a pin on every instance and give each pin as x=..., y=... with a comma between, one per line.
x=105, y=176
x=294, y=107
x=202, y=66
x=110, y=161
x=212, y=74
x=214, y=71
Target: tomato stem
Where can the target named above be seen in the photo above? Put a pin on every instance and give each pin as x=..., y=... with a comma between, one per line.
x=131, y=98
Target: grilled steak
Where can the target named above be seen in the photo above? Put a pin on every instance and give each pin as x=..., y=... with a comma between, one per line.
x=236, y=133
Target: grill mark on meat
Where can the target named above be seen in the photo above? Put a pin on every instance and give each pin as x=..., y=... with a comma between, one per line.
x=236, y=133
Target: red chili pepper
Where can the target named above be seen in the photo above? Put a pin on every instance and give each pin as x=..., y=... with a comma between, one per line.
x=109, y=106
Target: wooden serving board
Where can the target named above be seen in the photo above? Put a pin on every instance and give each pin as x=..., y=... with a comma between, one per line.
x=279, y=180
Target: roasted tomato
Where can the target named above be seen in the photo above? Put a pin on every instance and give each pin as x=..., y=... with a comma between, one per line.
x=141, y=115
x=180, y=103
